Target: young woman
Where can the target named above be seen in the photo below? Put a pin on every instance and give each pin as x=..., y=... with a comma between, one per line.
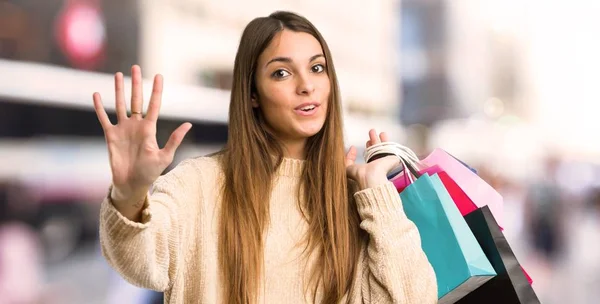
x=282, y=214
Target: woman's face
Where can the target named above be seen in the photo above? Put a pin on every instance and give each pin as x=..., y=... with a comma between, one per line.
x=293, y=86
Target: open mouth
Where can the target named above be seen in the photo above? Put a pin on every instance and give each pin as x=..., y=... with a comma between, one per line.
x=308, y=108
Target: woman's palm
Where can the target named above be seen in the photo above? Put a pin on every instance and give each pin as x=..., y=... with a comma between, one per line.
x=136, y=160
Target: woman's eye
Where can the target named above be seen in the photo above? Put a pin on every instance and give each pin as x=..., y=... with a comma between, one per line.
x=318, y=68
x=280, y=74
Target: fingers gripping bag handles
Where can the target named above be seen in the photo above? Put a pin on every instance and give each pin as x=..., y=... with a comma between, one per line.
x=458, y=260
x=408, y=158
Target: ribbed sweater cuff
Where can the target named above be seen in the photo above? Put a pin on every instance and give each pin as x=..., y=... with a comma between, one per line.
x=382, y=202
x=117, y=225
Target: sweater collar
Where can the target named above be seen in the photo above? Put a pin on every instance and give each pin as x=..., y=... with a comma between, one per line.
x=291, y=167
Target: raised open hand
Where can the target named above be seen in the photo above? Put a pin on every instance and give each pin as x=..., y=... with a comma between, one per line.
x=136, y=160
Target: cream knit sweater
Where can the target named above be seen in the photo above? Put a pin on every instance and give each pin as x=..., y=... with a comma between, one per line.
x=174, y=247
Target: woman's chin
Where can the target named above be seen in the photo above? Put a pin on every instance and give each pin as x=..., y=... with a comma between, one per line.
x=310, y=131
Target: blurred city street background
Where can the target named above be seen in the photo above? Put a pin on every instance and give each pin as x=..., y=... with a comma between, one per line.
x=508, y=86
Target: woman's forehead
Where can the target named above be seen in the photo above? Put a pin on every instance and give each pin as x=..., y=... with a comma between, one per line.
x=297, y=46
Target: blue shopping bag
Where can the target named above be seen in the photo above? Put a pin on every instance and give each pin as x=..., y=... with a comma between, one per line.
x=459, y=263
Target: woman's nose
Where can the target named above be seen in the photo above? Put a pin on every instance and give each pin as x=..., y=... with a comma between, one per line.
x=305, y=85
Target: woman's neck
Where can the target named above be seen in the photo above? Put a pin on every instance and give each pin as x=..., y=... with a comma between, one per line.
x=295, y=149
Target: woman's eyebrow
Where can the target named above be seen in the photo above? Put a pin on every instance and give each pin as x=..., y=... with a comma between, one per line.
x=288, y=59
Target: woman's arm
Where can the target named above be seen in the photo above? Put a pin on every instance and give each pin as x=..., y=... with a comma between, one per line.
x=392, y=267
x=148, y=253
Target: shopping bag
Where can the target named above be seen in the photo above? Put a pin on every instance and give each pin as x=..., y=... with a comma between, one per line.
x=461, y=200
x=459, y=262
x=464, y=164
x=478, y=191
x=510, y=285
x=464, y=204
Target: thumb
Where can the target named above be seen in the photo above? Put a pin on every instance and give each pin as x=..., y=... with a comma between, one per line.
x=176, y=138
x=351, y=156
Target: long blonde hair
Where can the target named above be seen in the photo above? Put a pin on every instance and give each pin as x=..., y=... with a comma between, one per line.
x=334, y=233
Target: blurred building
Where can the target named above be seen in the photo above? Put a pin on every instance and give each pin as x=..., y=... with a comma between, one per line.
x=464, y=82
x=193, y=43
x=458, y=62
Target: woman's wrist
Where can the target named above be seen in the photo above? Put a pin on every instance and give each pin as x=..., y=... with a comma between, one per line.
x=373, y=180
x=129, y=203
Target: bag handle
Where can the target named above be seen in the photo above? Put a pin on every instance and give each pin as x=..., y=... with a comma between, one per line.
x=407, y=157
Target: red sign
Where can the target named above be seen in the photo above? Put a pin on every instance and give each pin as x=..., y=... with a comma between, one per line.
x=81, y=33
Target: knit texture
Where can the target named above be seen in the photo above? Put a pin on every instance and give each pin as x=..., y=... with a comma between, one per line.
x=174, y=247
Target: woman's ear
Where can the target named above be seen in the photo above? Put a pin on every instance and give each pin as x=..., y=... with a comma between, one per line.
x=254, y=100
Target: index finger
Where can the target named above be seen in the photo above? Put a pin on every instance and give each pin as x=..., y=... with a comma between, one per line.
x=100, y=112
x=351, y=156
